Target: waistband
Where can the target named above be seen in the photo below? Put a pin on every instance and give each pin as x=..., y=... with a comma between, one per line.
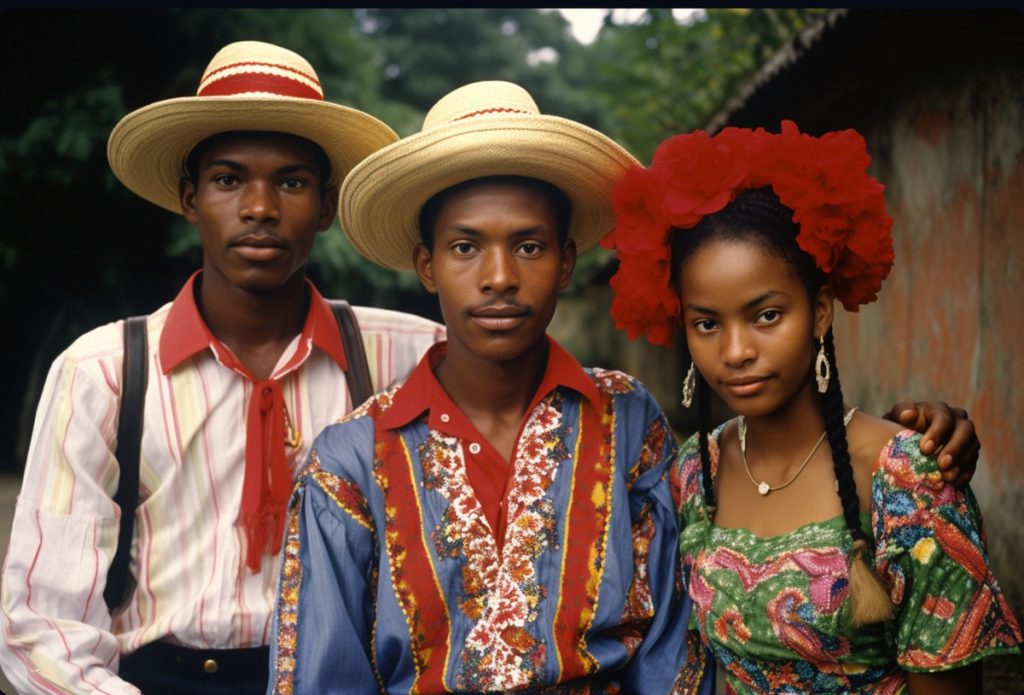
x=209, y=665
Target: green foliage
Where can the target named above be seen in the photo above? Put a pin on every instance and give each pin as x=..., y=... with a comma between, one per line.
x=659, y=77
x=423, y=54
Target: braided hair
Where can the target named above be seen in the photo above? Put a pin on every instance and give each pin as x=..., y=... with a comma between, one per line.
x=703, y=400
x=756, y=216
x=869, y=600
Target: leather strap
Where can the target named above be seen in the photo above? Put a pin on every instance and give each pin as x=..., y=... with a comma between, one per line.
x=129, y=442
x=360, y=386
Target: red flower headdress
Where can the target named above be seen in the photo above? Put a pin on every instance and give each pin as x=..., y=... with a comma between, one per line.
x=840, y=210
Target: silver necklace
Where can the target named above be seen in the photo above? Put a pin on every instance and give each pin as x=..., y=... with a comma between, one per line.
x=763, y=488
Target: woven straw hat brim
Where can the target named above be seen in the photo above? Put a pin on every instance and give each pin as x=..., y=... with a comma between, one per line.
x=147, y=150
x=381, y=198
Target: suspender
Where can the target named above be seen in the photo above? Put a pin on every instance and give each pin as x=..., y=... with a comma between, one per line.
x=360, y=386
x=129, y=440
x=120, y=583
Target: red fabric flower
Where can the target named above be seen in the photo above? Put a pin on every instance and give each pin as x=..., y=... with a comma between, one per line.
x=635, y=220
x=697, y=175
x=644, y=302
x=839, y=208
x=691, y=176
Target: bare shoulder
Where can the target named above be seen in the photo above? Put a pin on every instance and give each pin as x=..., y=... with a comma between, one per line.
x=866, y=437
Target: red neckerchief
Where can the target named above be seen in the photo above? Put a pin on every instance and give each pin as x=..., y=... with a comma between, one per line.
x=268, y=480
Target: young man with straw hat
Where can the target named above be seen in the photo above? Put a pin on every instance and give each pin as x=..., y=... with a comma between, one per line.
x=245, y=366
x=502, y=521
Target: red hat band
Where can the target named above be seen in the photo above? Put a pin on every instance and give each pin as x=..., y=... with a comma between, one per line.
x=266, y=78
x=482, y=112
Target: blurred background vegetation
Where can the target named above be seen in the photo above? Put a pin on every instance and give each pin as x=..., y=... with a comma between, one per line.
x=78, y=250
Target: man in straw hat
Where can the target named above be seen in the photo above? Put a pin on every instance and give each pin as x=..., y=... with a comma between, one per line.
x=245, y=366
x=502, y=521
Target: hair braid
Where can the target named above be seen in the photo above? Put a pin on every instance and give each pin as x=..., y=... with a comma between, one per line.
x=869, y=601
x=703, y=397
x=832, y=409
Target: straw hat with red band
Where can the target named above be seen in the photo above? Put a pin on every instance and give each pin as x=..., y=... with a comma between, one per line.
x=248, y=86
x=481, y=129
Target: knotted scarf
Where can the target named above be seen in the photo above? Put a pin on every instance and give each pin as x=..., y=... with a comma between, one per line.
x=268, y=479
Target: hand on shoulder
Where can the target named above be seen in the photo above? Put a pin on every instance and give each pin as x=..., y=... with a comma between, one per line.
x=949, y=432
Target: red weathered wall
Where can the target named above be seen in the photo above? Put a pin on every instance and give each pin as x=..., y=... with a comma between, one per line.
x=949, y=322
x=949, y=315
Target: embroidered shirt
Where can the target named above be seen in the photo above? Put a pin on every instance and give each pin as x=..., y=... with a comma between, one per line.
x=188, y=554
x=392, y=580
x=487, y=471
x=775, y=610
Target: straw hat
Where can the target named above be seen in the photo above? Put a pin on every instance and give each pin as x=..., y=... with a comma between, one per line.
x=249, y=85
x=480, y=129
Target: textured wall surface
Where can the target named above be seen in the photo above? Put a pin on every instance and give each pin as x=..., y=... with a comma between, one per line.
x=949, y=322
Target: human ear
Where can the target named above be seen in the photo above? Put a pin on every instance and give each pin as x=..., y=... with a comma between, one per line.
x=187, y=197
x=328, y=208
x=824, y=310
x=568, y=263
x=424, y=264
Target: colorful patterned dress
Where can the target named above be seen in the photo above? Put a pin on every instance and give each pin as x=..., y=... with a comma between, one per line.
x=392, y=580
x=775, y=610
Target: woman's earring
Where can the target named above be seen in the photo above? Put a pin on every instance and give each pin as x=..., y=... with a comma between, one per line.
x=822, y=370
x=689, y=386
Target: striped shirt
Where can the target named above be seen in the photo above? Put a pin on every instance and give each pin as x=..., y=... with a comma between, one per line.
x=188, y=554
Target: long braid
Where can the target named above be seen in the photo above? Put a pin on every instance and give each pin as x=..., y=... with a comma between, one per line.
x=703, y=397
x=832, y=407
x=869, y=601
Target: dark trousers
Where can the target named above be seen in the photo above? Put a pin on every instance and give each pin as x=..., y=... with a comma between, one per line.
x=160, y=668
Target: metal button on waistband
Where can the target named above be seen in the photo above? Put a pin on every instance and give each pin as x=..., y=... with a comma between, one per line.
x=210, y=666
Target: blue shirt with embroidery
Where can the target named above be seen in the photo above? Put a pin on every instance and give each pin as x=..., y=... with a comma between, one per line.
x=392, y=580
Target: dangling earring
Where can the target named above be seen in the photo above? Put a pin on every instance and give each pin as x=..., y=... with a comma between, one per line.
x=689, y=386
x=822, y=370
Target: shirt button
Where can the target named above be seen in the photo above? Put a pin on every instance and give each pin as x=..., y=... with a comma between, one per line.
x=445, y=417
x=210, y=666
x=474, y=448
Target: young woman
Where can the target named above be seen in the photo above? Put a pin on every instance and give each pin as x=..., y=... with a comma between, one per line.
x=822, y=549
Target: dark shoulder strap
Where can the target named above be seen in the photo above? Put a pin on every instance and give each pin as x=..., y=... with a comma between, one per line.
x=360, y=385
x=129, y=442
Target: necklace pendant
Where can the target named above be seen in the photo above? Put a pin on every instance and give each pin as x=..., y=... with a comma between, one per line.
x=763, y=488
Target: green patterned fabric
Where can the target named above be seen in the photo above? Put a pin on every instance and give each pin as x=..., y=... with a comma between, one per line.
x=775, y=611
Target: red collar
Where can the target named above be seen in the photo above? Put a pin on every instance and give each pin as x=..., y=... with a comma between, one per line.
x=422, y=391
x=185, y=334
